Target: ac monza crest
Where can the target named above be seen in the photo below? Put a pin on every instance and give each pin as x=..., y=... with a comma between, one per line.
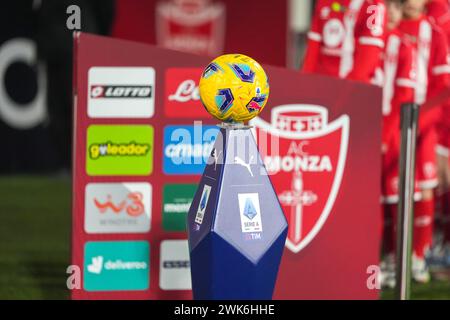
x=305, y=157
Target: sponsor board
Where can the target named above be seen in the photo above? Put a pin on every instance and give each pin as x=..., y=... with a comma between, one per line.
x=175, y=272
x=118, y=207
x=177, y=199
x=121, y=92
x=119, y=150
x=116, y=265
x=182, y=98
x=187, y=148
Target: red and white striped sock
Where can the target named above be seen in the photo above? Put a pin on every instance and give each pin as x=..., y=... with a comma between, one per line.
x=423, y=226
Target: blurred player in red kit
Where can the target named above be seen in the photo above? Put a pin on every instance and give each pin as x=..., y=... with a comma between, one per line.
x=399, y=81
x=346, y=39
x=439, y=12
x=431, y=60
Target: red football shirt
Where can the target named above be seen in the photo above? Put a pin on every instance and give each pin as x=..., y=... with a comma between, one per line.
x=346, y=38
x=439, y=11
x=430, y=43
x=399, y=72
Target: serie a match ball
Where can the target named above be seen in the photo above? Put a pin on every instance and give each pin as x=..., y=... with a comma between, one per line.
x=234, y=88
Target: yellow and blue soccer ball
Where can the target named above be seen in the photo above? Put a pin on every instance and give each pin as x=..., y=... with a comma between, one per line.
x=234, y=88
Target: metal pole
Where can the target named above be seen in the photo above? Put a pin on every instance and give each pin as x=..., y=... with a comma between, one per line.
x=408, y=123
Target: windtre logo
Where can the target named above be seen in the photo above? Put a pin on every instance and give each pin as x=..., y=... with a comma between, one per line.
x=118, y=207
x=119, y=150
x=135, y=197
x=121, y=92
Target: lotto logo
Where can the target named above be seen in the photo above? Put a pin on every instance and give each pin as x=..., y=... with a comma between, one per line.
x=121, y=92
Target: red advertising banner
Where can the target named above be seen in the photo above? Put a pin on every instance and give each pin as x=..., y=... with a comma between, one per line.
x=208, y=27
x=137, y=111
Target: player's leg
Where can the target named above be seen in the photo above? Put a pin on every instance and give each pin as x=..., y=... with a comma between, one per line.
x=424, y=209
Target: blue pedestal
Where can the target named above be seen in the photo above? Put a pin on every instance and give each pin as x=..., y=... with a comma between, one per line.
x=236, y=226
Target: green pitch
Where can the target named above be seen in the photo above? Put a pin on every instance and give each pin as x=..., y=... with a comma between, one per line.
x=35, y=230
x=35, y=220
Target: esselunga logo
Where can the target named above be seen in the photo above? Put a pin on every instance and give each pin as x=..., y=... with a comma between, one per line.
x=175, y=271
x=115, y=91
x=119, y=150
x=97, y=150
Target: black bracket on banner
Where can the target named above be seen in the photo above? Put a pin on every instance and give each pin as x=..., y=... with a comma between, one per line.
x=407, y=162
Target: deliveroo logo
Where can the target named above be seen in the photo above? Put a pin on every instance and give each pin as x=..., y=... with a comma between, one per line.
x=116, y=265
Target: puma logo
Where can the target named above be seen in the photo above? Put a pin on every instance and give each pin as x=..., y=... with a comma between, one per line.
x=241, y=162
x=216, y=156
